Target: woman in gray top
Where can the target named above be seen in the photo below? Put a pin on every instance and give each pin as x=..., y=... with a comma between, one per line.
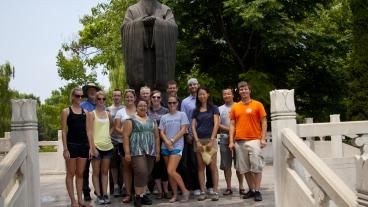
x=159, y=172
x=142, y=148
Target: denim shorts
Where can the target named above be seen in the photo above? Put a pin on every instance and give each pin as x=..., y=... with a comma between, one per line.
x=103, y=154
x=166, y=152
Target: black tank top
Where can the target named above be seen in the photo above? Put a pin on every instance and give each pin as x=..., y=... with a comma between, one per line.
x=77, y=132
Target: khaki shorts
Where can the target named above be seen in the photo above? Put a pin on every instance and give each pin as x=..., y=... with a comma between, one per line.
x=249, y=156
x=204, y=142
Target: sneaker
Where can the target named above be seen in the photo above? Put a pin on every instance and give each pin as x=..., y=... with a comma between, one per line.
x=87, y=197
x=202, y=196
x=146, y=200
x=116, y=191
x=257, y=196
x=137, y=201
x=196, y=192
x=214, y=196
x=210, y=191
x=100, y=200
x=249, y=194
x=185, y=196
x=107, y=199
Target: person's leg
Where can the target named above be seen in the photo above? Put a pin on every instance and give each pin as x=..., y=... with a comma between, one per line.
x=71, y=168
x=172, y=181
x=201, y=168
x=192, y=168
x=114, y=172
x=96, y=175
x=227, y=173
x=241, y=182
x=81, y=164
x=141, y=173
x=214, y=172
x=172, y=164
x=105, y=164
x=225, y=165
x=257, y=178
x=209, y=183
x=127, y=176
x=86, y=188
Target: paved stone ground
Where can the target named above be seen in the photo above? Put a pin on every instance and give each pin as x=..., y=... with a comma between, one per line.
x=53, y=194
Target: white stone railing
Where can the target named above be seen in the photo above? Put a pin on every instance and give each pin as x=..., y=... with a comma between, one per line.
x=327, y=185
x=19, y=169
x=12, y=169
x=57, y=166
x=298, y=168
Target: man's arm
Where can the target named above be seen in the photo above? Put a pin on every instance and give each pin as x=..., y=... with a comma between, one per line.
x=264, y=131
x=231, y=134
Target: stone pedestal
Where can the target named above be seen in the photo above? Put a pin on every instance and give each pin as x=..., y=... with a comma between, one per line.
x=24, y=128
x=283, y=116
x=336, y=141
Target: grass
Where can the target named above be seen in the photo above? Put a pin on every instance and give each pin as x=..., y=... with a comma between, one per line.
x=47, y=149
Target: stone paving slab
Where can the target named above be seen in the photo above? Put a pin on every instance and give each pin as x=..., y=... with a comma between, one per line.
x=53, y=194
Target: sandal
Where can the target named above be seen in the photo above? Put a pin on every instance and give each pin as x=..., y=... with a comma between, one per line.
x=83, y=205
x=173, y=200
x=159, y=195
x=242, y=192
x=227, y=192
x=127, y=199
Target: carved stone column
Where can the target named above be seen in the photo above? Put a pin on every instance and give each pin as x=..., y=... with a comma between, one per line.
x=361, y=163
x=283, y=116
x=24, y=128
x=336, y=141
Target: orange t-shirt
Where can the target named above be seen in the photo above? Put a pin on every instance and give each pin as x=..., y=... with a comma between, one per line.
x=247, y=119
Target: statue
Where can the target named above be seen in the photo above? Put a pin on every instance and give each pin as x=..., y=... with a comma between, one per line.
x=149, y=35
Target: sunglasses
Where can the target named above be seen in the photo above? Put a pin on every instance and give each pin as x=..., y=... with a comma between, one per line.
x=101, y=99
x=156, y=97
x=172, y=103
x=78, y=96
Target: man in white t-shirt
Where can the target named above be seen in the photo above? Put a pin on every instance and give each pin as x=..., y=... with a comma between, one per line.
x=115, y=164
x=227, y=155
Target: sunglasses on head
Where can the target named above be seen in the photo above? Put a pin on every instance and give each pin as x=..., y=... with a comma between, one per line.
x=156, y=97
x=101, y=99
x=78, y=96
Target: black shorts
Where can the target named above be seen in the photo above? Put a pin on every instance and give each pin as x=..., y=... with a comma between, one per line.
x=77, y=150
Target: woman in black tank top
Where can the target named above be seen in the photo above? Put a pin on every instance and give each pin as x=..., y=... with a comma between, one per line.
x=76, y=145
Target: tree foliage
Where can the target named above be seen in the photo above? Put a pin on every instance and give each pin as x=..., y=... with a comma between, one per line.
x=358, y=85
x=6, y=73
x=271, y=43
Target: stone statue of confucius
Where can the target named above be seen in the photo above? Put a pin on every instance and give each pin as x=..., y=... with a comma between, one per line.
x=149, y=35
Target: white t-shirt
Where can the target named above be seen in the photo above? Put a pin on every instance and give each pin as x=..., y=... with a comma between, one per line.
x=122, y=115
x=224, y=120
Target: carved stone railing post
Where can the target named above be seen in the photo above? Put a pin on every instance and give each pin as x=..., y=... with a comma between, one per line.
x=309, y=140
x=24, y=128
x=361, y=163
x=336, y=141
x=283, y=116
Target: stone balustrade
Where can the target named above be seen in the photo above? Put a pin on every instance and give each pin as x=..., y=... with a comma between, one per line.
x=292, y=171
x=19, y=169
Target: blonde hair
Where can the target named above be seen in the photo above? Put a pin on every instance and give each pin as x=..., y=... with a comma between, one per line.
x=100, y=93
x=72, y=93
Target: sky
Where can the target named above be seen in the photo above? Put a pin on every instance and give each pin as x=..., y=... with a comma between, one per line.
x=31, y=34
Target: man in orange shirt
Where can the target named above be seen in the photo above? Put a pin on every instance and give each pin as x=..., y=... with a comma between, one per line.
x=248, y=128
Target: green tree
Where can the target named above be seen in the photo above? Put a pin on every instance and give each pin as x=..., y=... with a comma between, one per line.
x=98, y=45
x=6, y=73
x=358, y=70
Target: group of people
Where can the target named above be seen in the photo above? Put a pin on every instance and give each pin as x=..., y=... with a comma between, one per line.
x=155, y=139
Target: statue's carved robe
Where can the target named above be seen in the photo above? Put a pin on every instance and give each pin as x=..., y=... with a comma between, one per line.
x=149, y=52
